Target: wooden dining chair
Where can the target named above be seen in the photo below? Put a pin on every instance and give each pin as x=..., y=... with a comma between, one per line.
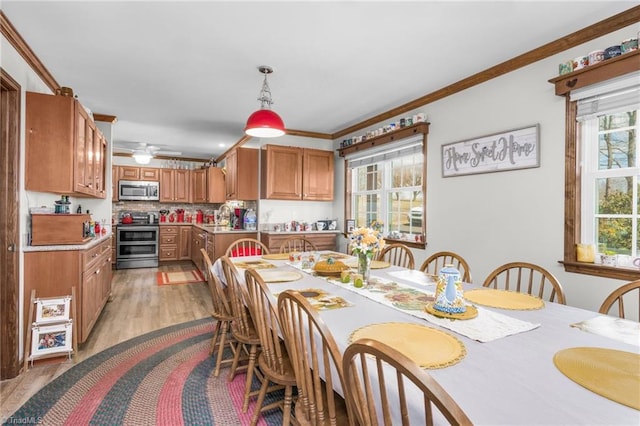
x=437, y=261
x=527, y=278
x=298, y=244
x=243, y=330
x=397, y=254
x=316, y=360
x=246, y=247
x=221, y=312
x=273, y=361
x=618, y=295
x=370, y=367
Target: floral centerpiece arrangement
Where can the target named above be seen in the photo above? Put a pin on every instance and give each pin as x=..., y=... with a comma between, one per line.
x=365, y=242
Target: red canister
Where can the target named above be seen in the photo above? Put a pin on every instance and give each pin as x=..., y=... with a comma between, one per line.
x=199, y=216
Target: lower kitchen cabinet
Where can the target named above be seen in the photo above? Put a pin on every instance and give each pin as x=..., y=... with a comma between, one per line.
x=198, y=241
x=322, y=240
x=89, y=271
x=223, y=240
x=175, y=242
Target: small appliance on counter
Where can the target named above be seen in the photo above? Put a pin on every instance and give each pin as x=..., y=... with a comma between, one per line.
x=239, y=220
x=63, y=205
x=60, y=229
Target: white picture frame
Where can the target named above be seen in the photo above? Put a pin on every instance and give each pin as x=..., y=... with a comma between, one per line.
x=509, y=150
x=51, y=339
x=52, y=310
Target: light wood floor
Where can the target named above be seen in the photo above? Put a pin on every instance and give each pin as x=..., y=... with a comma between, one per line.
x=137, y=306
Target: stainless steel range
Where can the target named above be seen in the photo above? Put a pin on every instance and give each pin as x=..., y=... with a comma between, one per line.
x=137, y=241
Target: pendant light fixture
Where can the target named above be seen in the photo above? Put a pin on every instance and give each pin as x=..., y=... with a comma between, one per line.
x=265, y=123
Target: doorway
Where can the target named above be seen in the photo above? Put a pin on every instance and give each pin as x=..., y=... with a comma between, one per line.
x=9, y=225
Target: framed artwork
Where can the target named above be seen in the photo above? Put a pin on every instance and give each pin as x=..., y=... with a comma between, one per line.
x=51, y=339
x=510, y=150
x=52, y=310
x=350, y=225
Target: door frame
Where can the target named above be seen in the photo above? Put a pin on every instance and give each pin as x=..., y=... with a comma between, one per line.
x=10, y=102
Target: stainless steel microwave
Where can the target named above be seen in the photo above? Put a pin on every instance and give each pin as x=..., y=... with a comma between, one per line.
x=138, y=190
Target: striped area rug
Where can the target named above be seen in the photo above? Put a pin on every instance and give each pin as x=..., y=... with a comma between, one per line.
x=161, y=378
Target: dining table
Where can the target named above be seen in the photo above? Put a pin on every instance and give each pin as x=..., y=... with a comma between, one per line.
x=508, y=365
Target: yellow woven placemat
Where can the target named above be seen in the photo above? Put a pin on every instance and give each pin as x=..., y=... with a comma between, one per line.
x=608, y=372
x=503, y=299
x=375, y=264
x=276, y=256
x=279, y=276
x=254, y=264
x=426, y=346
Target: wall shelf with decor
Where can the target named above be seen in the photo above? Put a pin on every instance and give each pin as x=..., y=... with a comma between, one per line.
x=389, y=137
x=605, y=70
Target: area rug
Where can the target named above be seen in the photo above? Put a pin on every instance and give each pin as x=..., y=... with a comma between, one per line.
x=180, y=277
x=161, y=378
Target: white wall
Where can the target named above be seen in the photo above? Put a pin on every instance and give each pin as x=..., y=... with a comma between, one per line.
x=496, y=218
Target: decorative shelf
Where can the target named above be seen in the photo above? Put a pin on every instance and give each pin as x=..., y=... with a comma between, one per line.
x=605, y=70
x=389, y=137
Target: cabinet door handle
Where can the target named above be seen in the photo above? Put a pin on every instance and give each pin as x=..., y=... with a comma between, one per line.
x=94, y=255
x=97, y=271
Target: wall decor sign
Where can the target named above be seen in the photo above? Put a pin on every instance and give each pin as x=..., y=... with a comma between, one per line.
x=510, y=150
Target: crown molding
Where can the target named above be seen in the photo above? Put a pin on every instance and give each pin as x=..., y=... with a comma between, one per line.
x=23, y=49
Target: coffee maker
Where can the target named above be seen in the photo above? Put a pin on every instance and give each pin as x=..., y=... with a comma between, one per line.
x=239, y=222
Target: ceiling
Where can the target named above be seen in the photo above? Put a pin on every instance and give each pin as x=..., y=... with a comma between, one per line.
x=182, y=76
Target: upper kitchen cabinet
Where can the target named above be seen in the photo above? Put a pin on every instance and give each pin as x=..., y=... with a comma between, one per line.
x=175, y=186
x=215, y=185
x=65, y=152
x=241, y=180
x=139, y=173
x=199, y=186
x=290, y=173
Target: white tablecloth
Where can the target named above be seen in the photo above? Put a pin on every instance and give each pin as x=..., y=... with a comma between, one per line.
x=508, y=381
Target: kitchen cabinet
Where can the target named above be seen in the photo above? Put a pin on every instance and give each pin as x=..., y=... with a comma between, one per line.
x=215, y=185
x=199, y=186
x=113, y=247
x=184, y=243
x=62, y=146
x=198, y=241
x=139, y=173
x=241, y=180
x=175, y=242
x=175, y=186
x=322, y=240
x=100, y=164
x=211, y=244
x=291, y=173
x=114, y=183
x=223, y=240
x=168, y=243
x=89, y=271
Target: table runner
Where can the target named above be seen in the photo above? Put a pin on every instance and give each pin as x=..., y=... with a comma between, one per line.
x=614, y=328
x=608, y=372
x=487, y=326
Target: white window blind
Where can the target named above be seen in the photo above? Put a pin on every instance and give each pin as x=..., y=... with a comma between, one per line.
x=408, y=146
x=615, y=95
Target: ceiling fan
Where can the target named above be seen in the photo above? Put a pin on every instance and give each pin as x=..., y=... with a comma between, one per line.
x=143, y=152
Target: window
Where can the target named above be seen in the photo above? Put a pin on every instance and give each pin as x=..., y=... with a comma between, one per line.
x=611, y=167
x=387, y=185
x=602, y=164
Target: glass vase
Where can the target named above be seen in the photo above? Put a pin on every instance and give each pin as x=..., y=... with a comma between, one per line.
x=364, y=265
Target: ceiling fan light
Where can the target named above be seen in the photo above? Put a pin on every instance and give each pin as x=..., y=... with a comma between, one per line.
x=142, y=157
x=264, y=123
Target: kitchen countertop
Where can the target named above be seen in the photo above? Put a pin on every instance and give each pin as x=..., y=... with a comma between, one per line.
x=69, y=247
